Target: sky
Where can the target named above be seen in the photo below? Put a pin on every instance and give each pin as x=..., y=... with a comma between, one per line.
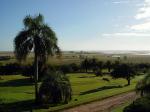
x=82, y=24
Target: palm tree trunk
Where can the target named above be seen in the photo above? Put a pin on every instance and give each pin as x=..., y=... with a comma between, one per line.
x=36, y=78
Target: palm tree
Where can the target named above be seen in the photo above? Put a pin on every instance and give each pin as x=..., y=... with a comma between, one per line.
x=37, y=37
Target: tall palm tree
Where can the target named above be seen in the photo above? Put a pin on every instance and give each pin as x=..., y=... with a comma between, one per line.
x=37, y=37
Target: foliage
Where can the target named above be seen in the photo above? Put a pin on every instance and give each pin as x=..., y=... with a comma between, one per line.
x=70, y=68
x=55, y=88
x=38, y=37
x=123, y=71
x=98, y=73
x=143, y=86
x=108, y=65
x=91, y=64
x=75, y=67
x=142, y=67
x=85, y=64
x=140, y=105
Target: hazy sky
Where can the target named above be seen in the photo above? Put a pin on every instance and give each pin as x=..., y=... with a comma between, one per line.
x=82, y=24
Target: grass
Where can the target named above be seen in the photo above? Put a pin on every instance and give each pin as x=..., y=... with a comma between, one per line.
x=17, y=92
x=121, y=107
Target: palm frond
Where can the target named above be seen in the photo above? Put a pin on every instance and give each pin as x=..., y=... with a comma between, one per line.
x=28, y=21
x=23, y=45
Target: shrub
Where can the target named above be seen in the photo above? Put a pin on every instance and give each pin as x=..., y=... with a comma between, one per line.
x=74, y=67
x=143, y=86
x=140, y=105
x=66, y=69
x=55, y=88
x=98, y=73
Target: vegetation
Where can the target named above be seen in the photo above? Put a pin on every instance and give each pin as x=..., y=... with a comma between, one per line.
x=17, y=92
x=88, y=78
x=55, y=88
x=38, y=36
x=120, y=107
x=141, y=104
x=123, y=71
x=143, y=86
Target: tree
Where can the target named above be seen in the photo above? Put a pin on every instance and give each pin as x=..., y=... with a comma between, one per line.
x=99, y=67
x=123, y=71
x=108, y=64
x=93, y=64
x=38, y=37
x=85, y=64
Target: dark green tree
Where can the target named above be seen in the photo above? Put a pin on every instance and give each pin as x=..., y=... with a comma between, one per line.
x=93, y=64
x=123, y=71
x=38, y=37
x=85, y=64
x=108, y=64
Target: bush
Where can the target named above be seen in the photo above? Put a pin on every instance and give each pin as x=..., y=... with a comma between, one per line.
x=66, y=69
x=140, y=105
x=98, y=73
x=55, y=88
x=74, y=67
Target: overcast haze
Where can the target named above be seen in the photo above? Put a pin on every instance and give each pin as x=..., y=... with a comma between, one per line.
x=82, y=24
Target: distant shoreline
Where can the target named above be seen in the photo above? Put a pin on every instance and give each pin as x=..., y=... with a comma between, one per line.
x=106, y=52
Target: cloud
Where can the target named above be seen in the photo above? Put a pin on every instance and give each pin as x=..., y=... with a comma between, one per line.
x=126, y=34
x=144, y=11
x=121, y=2
x=141, y=27
x=143, y=14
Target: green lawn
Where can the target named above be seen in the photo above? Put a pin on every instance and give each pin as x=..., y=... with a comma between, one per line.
x=16, y=91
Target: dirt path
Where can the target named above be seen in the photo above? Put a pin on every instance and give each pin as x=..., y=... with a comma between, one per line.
x=104, y=105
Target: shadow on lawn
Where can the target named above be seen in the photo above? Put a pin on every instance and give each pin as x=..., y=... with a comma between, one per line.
x=100, y=89
x=21, y=106
x=16, y=83
x=17, y=106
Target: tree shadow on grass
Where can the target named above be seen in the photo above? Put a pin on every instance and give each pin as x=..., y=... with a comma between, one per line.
x=21, y=106
x=24, y=106
x=87, y=77
x=16, y=83
x=17, y=106
x=99, y=89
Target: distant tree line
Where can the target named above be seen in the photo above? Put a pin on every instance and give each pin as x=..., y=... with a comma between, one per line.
x=3, y=58
x=116, y=69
